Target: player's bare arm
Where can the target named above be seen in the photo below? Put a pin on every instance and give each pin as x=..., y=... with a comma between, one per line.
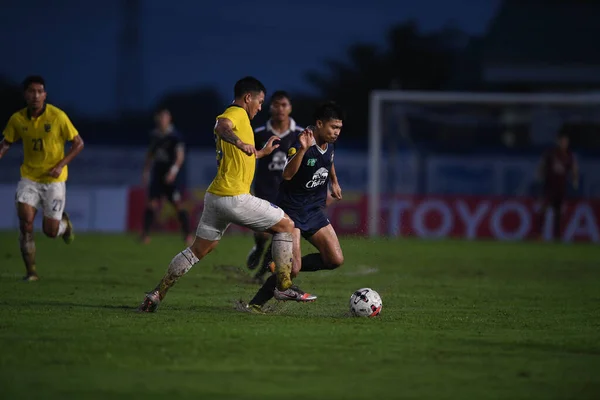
x=179, y=158
x=306, y=140
x=336, y=189
x=224, y=129
x=4, y=146
x=268, y=148
x=76, y=147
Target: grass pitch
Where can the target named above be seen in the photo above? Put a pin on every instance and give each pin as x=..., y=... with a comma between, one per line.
x=460, y=320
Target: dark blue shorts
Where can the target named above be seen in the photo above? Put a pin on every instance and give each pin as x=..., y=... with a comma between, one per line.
x=310, y=222
x=158, y=189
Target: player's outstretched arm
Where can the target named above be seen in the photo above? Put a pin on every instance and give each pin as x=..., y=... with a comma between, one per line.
x=292, y=166
x=268, y=148
x=179, y=159
x=4, y=146
x=336, y=189
x=76, y=147
x=224, y=129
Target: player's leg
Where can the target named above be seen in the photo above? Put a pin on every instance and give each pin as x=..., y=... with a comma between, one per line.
x=26, y=215
x=541, y=216
x=282, y=251
x=56, y=222
x=173, y=195
x=151, y=208
x=256, y=252
x=262, y=216
x=266, y=265
x=28, y=199
x=213, y=223
x=556, y=203
x=266, y=292
x=330, y=255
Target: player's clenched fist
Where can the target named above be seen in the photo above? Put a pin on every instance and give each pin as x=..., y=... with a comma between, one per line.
x=248, y=149
x=306, y=138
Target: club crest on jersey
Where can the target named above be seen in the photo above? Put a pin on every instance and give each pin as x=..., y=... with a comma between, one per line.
x=311, y=162
x=47, y=127
x=291, y=151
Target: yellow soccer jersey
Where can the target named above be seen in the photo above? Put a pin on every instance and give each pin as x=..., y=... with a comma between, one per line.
x=235, y=169
x=44, y=141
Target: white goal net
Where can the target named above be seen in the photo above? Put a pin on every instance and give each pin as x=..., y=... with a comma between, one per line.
x=470, y=126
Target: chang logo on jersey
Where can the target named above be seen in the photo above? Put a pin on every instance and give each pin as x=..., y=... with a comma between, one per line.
x=278, y=163
x=319, y=178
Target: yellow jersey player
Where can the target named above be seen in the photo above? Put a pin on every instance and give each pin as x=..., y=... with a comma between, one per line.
x=44, y=130
x=228, y=199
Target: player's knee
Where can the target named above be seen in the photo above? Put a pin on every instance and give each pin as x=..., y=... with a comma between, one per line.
x=50, y=230
x=26, y=226
x=261, y=237
x=288, y=225
x=336, y=261
x=201, y=248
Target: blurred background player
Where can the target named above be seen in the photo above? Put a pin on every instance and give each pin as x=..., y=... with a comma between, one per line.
x=164, y=160
x=269, y=169
x=303, y=196
x=44, y=130
x=555, y=167
x=228, y=199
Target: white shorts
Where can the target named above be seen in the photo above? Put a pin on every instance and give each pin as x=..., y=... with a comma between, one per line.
x=50, y=196
x=244, y=210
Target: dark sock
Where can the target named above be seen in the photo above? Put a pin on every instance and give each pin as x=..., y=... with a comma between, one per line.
x=314, y=262
x=265, y=293
x=184, y=221
x=267, y=259
x=148, y=220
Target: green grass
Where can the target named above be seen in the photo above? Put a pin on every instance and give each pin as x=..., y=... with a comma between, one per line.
x=460, y=320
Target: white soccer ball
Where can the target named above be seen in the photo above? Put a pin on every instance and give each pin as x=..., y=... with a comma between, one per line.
x=365, y=302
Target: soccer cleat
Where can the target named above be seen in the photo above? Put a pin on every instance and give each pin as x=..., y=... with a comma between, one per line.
x=240, y=305
x=150, y=303
x=69, y=235
x=294, y=293
x=253, y=258
x=31, y=278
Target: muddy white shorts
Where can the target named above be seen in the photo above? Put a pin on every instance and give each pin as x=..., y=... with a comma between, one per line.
x=245, y=210
x=50, y=197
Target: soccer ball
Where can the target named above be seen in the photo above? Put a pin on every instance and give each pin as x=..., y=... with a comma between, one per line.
x=365, y=302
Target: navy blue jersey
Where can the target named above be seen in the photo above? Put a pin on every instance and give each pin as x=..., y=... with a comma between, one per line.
x=270, y=168
x=306, y=192
x=163, y=150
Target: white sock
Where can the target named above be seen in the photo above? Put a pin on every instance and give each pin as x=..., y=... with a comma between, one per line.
x=182, y=263
x=62, y=227
x=282, y=254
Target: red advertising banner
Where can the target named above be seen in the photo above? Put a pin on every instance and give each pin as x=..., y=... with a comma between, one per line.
x=469, y=217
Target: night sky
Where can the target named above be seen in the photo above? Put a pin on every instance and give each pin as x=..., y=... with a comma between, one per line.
x=186, y=44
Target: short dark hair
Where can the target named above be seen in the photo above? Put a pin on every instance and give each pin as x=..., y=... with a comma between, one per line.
x=246, y=85
x=328, y=110
x=280, y=94
x=33, y=79
x=160, y=109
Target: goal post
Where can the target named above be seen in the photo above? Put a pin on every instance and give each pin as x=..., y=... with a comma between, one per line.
x=586, y=103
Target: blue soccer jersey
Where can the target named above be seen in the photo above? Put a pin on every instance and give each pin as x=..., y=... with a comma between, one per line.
x=304, y=196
